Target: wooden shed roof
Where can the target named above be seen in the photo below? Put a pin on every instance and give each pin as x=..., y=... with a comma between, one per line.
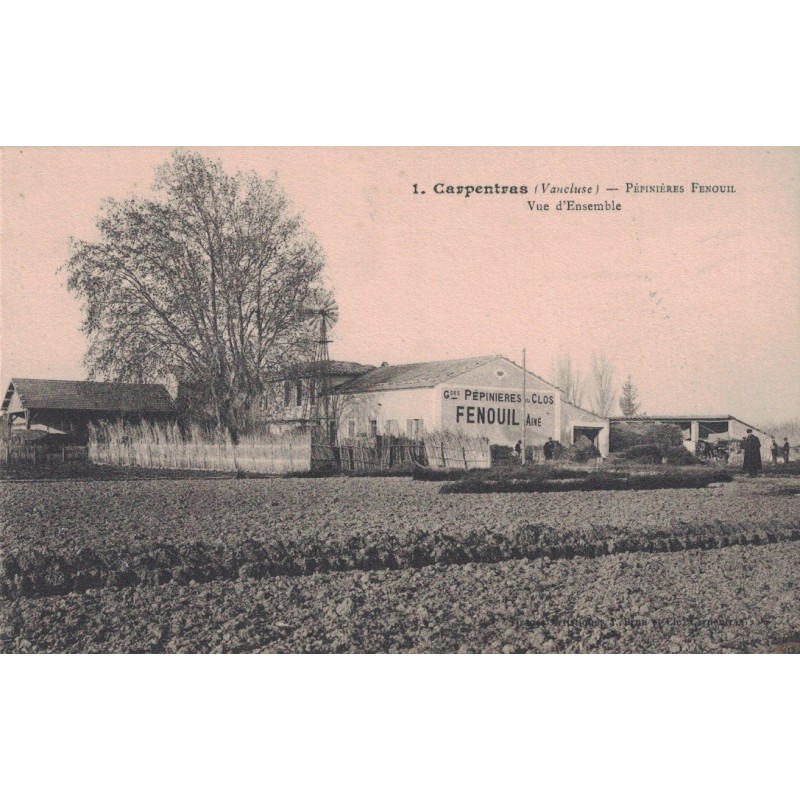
x=90, y=396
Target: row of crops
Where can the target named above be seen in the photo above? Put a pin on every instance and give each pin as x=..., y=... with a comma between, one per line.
x=60, y=538
x=737, y=599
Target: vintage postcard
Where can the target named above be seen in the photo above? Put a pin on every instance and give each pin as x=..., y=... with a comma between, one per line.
x=400, y=400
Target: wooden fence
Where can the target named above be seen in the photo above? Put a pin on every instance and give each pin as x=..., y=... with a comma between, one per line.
x=39, y=453
x=448, y=449
x=166, y=447
x=369, y=454
x=435, y=449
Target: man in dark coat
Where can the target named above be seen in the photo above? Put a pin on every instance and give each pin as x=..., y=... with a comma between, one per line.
x=773, y=450
x=752, y=454
x=785, y=450
x=549, y=447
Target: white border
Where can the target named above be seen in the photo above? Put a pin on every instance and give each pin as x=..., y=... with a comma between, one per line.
x=406, y=74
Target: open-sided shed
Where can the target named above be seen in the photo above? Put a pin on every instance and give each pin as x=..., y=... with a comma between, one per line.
x=69, y=406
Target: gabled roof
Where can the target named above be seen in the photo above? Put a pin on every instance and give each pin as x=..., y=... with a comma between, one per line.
x=90, y=396
x=582, y=409
x=335, y=368
x=423, y=375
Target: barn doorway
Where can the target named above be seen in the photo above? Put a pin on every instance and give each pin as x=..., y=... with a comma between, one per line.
x=592, y=434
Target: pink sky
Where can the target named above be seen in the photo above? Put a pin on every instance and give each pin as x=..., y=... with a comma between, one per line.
x=697, y=296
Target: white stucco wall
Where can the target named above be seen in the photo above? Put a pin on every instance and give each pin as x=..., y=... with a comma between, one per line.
x=738, y=430
x=574, y=417
x=485, y=402
x=386, y=407
x=15, y=404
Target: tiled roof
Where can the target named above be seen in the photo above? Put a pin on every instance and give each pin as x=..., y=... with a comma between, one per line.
x=90, y=396
x=687, y=418
x=660, y=417
x=412, y=376
x=336, y=368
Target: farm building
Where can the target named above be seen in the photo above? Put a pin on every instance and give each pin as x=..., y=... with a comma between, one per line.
x=295, y=396
x=481, y=396
x=67, y=407
x=713, y=429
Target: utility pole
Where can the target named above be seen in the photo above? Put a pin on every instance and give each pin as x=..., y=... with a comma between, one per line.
x=524, y=406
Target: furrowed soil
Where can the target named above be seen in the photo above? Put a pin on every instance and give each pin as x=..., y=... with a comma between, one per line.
x=390, y=565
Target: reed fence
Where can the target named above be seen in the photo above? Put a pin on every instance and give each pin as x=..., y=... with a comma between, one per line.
x=167, y=447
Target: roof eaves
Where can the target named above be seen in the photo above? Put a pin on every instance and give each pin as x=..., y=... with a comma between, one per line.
x=540, y=378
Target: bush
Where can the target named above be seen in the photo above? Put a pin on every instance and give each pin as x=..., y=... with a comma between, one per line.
x=792, y=468
x=624, y=435
x=680, y=456
x=642, y=454
x=600, y=480
x=501, y=453
x=580, y=452
x=511, y=471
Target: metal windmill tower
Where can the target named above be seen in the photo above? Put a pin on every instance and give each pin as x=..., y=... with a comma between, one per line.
x=322, y=313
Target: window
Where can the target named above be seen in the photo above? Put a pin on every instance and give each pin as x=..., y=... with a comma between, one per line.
x=312, y=392
x=392, y=429
x=299, y=393
x=373, y=427
x=414, y=428
x=287, y=393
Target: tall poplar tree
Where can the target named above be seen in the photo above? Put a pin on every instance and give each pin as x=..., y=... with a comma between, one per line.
x=628, y=401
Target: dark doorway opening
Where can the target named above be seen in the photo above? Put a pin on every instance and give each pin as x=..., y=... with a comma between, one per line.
x=592, y=434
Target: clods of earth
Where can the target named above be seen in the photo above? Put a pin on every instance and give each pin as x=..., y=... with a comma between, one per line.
x=391, y=565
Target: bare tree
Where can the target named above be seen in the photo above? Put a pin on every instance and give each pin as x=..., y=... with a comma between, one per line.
x=628, y=402
x=569, y=380
x=202, y=285
x=603, y=390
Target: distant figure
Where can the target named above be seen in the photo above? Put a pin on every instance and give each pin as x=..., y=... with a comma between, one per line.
x=774, y=451
x=752, y=453
x=549, y=448
x=518, y=449
x=785, y=450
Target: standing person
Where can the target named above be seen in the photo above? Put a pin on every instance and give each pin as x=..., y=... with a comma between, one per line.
x=774, y=451
x=752, y=454
x=785, y=450
x=518, y=449
x=548, y=449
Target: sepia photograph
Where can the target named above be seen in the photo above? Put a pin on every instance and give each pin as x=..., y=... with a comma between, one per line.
x=400, y=400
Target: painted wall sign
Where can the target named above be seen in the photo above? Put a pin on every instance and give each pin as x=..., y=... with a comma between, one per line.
x=497, y=413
